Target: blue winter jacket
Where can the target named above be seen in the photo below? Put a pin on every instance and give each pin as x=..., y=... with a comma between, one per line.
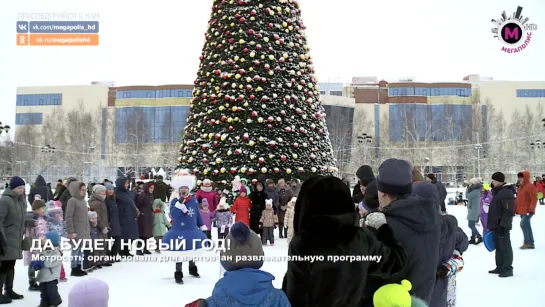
x=247, y=287
x=127, y=211
x=113, y=217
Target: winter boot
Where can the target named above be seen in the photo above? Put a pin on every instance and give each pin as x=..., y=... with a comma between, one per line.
x=193, y=270
x=472, y=240
x=525, y=246
x=494, y=271
x=77, y=272
x=9, y=286
x=4, y=299
x=179, y=278
x=506, y=274
x=32, y=285
x=478, y=239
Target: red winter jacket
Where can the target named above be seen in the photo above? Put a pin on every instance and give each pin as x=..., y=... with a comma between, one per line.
x=526, y=196
x=242, y=207
x=540, y=185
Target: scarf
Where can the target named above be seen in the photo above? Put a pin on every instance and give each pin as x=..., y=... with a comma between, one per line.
x=206, y=189
x=158, y=211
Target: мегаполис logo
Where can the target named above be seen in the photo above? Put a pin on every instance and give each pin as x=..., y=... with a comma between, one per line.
x=513, y=32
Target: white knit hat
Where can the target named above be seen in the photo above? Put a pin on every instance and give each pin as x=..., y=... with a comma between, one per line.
x=206, y=182
x=268, y=202
x=293, y=199
x=223, y=203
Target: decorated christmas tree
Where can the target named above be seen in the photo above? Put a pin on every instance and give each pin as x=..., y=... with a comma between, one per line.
x=256, y=107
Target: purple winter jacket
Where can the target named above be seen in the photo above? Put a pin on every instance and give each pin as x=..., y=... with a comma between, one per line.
x=207, y=217
x=223, y=218
x=486, y=198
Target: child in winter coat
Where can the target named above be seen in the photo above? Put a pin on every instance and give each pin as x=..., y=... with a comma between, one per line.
x=484, y=204
x=207, y=192
x=243, y=283
x=49, y=269
x=88, y=264
x=38, y=226
x=160, y=223
x=56, y=223
x=242, y=207
x=207, y=217
x=396, y=295
x=453, y=266
x=223, y=219
x=288, y=218
x=268, y=222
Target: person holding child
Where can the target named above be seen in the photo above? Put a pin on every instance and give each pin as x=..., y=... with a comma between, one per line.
x=268, y=222
x=49, y=270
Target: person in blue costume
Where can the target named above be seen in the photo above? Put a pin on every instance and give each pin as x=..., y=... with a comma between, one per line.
x=187, y=224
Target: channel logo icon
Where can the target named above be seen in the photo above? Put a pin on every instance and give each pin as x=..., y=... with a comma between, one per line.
x=22, y=27
x=514, y=32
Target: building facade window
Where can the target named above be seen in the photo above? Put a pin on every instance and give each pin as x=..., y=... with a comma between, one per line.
x=430, y=123
x=531, y=93
x=26, y=100
x=424, y=91
x=155, y=125
x=336, y=93
x=153, y=94
x=28, y=119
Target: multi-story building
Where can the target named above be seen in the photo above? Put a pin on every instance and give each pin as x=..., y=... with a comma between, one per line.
x=127, y=128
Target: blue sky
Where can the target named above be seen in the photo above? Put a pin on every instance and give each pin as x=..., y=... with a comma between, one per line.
x=159, y=42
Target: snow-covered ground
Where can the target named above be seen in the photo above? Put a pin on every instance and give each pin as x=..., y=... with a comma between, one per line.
x=146, y=283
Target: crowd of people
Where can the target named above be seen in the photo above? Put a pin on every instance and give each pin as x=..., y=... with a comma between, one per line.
x=398, y=214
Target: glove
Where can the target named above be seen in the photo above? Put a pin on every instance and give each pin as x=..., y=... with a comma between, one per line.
x=375, y=220
x=260, y=225
x=275, y=225
x=442, y=272
x=531, y=214
x=485, y=208
x=181, y=207
x=105, y=230
x=203, y=228
x=72, y=235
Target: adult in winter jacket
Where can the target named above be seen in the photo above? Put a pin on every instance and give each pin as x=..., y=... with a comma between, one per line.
x=206, y=191
x=284, y=196
x=525, y=206
x=272, y=193
x=364, y=175
x=59, y=188
x=452, y=238
x=113, y=219
x=295, y=186
x=258, y=198
x=40, y=188
x=441, y=188
x=144, y=203
x=162, y=190
x=77, y=224
x=500, y=220
x=65, y=196
x=12, y=227
x=127, y=212
x=415, y=222
x=473, y=196
x=97, y=203
x=327, y=227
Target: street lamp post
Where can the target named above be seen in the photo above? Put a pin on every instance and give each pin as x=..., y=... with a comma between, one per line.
x=478, y=147
x=48, y=150
x=538, y=147
x=364, y=140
